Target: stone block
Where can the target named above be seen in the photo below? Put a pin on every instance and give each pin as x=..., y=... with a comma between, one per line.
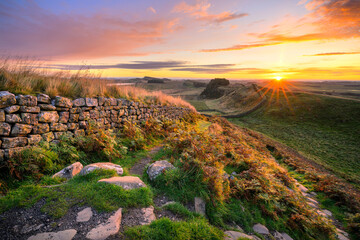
x=2, y=116
x=14, y=142
x=34, y=139
x=47, y=107
x=26, y=100
x=73, y=126
x=28, y=109
x=29, y=118
x=79, y=132
x=21, y=129
x=5, y=129
x=6, y=99
x=79, y=102
x=62, y=102
x=91, y=102
x=13, y=118
x=48, y=136
x=64, y=117
x=58, y=127
x=74, y=117
x=41, y=128
x=48, y=116
x=12, y=109
x=84, y=116
x=43, y=98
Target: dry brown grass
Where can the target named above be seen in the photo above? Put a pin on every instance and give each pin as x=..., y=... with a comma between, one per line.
x=30, y=77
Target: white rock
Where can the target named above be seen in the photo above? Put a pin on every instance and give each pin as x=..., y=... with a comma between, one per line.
x=62, y=235
x=69, y=171
x=278, y=236
x=102, y=165
x=148, y=215
x=156, y=168
x=327, y=212
x=104, y=230
x=233, y=235
x=259, y=228
x=84, y=215
x=200, y=206
x=286, y=236
x=127, y=182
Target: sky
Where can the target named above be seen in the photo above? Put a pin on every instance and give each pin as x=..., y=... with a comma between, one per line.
x=234, y=39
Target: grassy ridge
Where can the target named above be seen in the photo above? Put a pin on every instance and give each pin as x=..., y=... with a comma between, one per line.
x=324, y=129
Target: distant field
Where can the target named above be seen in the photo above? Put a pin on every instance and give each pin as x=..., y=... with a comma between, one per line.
x=324, y=129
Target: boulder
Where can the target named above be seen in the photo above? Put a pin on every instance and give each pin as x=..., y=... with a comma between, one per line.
x=69, y=171
x=200, y=206
x=26, y=100
x=261, y=229
x=102, y=165
x=148, y=215
x=12, y=109
x=84, y=215
x=104, y=230
x=62, y=102
x=156, y=168
x=127, y=182
x=48, y=116
x=278, y=236
x=43, y=98
x=61, y=235
x=5, y=129
x=14, y=142
x=21, y=129
x=233, y=235
x=6, y=99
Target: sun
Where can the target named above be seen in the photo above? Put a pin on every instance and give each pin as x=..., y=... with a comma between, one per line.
x=278, y=78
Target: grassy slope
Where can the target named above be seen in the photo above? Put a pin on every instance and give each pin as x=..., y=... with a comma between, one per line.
x=324, y=129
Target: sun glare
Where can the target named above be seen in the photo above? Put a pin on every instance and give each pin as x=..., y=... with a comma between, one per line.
x=278, y=78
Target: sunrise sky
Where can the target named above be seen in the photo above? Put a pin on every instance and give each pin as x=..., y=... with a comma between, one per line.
x=235, y=39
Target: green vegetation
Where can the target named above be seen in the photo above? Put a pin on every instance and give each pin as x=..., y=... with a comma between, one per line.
x=325, y=129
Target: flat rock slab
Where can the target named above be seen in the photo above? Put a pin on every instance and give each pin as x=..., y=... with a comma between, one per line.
x=233, y=235
x=127, y=182
x=148, y=215
x=101, y=165
x=261, y=229
x=156, y=168
x=84, y=215
x=69, y=171
x=111, y=227
x=62, y=235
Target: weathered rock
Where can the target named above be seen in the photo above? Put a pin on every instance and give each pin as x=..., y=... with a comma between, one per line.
x=47, y=107
x=2, y=116
x=103, y=231
x=261, y=229
x=6, y=99
x=43, y=98
x=156, y=168
x=233, y=235
x=12, y=109
x=70, y=171
x=200, y=206
x=11, y=152
x=13, y=118
x=62, y=102
x=26, y=100
x=58, y=127
x=5, y=129
x=84, y=215
x=14, y=142
x=28, y=109
x=41, y=128
x=79, y=132
x=47, y=117
x=148, y=215
x=101, y=101
x=110, y=102
x=286, y=236
x=21, y=129
x=127, y=182
x=29, y=118
x=278, y=236
x=61, y=235
x=72, y=126
x=34, y=139
x=102, y=165
x=91, y=102
x=342, y=237
x=79, y=102
x=30, y=228
x=64, y=117
x=74, y=117
x=84, y=116
x=48, y=136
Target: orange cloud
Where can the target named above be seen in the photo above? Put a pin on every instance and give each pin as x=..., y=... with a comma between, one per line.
x=332, y=53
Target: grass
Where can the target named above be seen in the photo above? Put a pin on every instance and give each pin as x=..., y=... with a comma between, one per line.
x=28, y=77
x=324, y=129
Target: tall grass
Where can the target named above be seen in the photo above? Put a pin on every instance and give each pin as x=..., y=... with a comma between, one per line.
x=29, y=77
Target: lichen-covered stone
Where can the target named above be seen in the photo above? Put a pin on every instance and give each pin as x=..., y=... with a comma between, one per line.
x=12, y=109
x=43, y=98
x=26, y=100
x=84, y=116
x=91, y=102
x=47, y=107
x=69, y=171
x=5, y=129
x=34, y=139
x=29, y=118
x=21, y=129
x=28, y=109
x=58, y=135
x=2, y=116
x=73, y=126
x=13, y=118
x=62, y=102
x=110, y=102
x=64, y=117
x=101, y=101
x=14, y=142
x=58, y=127
x=102, y=165
x=74, y=117
x=79, y=132
x=48, y=117
x=6, y=99
x=48, y=136
x=156, y=168
x=79, y=102
x=41, y=128
x=83, y=124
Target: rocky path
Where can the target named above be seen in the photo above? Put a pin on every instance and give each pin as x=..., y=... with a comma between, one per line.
x=139, y=167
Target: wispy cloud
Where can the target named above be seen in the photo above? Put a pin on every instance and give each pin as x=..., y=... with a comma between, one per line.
x=151, y=9
x=332, y=54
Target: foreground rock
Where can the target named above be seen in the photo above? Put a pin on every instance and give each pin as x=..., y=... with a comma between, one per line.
x=70, y=171
x=84, y=215
x=127, y=182
x=148, y=215
x=233, y=235
x=261, y=229
x=111, y=227
x=102, y=165
x=62, y=235
x=156, y=168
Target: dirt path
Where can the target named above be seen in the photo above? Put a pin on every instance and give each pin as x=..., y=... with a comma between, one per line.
x=139, y=167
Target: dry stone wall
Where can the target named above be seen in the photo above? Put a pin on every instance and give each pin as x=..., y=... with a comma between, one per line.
x=25, y=120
